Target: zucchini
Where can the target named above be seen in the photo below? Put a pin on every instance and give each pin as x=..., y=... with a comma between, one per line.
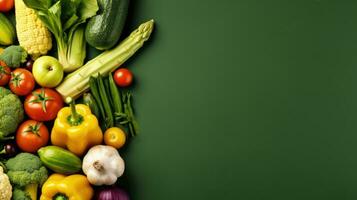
x=103, y=30
x=7, y=31
x=60, y=160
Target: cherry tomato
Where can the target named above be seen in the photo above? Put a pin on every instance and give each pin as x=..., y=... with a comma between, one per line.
x=6, y=5
x=43, y=104
x=123, y=77
x=5, y=74
x=114, y=137
x=21, y=82
x=31, y=136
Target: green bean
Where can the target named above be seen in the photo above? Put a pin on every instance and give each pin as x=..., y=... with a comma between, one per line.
x=106, y=102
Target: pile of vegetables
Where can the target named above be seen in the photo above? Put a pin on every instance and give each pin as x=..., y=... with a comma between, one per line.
x=63, y=122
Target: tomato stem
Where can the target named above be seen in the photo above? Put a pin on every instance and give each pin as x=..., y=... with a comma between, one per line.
x=16, y=78
x=3, y=71
x=35, y=129
x=41, y=98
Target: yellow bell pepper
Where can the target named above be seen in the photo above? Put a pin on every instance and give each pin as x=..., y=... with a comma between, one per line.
x=61, y=187
x=76, y=129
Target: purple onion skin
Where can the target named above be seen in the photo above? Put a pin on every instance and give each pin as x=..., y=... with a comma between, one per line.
x=111, y=193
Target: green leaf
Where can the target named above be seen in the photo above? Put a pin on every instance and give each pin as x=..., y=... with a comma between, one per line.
x=69, y=8
x=56, y=9
x=54, y=14
x=38, y=4
x=70, y=22
x=48, y=21
x=87, y=9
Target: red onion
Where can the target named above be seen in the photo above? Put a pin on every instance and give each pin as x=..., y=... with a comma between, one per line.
x=111, y=193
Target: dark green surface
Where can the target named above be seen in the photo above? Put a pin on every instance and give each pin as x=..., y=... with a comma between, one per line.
x=245, y=100
x=251, y=100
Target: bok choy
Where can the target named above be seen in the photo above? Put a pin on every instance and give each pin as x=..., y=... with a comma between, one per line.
x=64, y=18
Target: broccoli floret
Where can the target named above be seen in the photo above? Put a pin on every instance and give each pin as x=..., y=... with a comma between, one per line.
x=4, y=92
x=18, y=194
x=13, y=56
x=26, y=172
x=23, y=178
x=11, y=112
x=25, y=169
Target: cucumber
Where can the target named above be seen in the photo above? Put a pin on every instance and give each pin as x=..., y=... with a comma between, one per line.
x=103, y=30
x=7, y=31
x=60, y=160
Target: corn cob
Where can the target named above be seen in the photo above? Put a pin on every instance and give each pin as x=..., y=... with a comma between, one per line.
x=32, y=34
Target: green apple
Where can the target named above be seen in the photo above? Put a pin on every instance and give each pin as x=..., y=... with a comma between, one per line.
x=47, y=71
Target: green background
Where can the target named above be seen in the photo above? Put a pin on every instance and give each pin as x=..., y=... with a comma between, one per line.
x=245, y=99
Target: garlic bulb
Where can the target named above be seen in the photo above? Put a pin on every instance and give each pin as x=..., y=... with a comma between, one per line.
x=103, y=165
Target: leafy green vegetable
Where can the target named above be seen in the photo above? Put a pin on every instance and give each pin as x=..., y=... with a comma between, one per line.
x=11, y=113
x=63, y=18
x=14, y=56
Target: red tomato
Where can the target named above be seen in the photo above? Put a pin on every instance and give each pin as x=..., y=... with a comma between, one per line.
x=123, y=77
x=5, y=74
x=31, y=136
x=43, y=104
x=6, y=5
x=22, y=82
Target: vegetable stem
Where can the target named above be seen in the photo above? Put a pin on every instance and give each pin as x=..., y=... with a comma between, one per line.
x=60, y=196
x=31, y=189
x=74, y=119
